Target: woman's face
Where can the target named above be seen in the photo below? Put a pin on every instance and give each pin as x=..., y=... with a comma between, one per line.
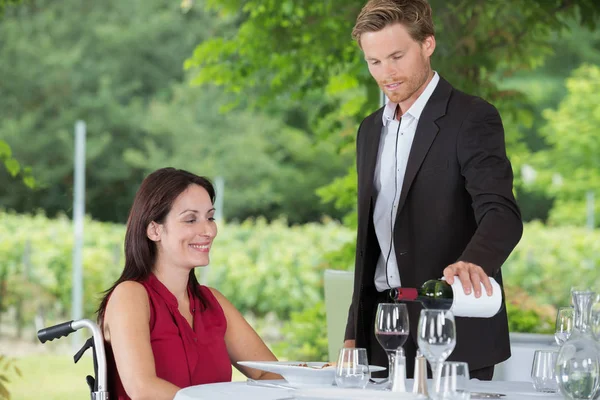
x=185, y=238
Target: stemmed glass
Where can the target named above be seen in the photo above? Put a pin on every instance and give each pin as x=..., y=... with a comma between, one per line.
x=564, y=324
x=391, y=331
x=436, y=336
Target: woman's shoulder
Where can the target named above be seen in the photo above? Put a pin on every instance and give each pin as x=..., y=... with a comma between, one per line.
x=128, y=303
x=129, y=292
x=131, y=286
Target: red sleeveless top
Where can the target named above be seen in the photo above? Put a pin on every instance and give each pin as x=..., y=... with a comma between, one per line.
x=182, y=356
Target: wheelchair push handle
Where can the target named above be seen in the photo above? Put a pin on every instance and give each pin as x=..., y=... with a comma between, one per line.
x=65, y=329
x=55, y=332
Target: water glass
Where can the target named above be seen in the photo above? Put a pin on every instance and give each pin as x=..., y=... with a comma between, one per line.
x=565, y=318
x=452, y=382
x=543, y=371
x=352, y=370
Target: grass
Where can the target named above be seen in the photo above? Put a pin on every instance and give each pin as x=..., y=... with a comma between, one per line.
x=51, y=377
x=56, y=377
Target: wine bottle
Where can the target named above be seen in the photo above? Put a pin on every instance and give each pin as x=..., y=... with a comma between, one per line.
x=441, y=295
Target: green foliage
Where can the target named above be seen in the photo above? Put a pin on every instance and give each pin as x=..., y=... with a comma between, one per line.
x=5, y=3
x=526, y=315
x=474, y=40
x=274, y=268
x=305, y=336
x=479, y=44
x=545, y=87
x=265, y=268
x=98, y=62
x=260, y=267
x=118, y=66
x=8, y=368
x=549, y=261
x=37, y=257
x=269, y=167
x=574, y=148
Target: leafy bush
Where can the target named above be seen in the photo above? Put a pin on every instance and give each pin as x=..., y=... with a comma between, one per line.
x=526, y=315
x=274, y=268
x=264, y=267
x=260, y=267
x=550, y=260
x=7, y=369
x=305, y=336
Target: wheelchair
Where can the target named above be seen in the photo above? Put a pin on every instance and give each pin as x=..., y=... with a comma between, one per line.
x=98, y=383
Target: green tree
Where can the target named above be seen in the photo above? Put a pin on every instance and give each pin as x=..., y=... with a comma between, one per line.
x=288, y=50
x=12, y=165
x=118, y=66
x=545, y=88
x=270, y=168
x=101, y=62
x=570, y=167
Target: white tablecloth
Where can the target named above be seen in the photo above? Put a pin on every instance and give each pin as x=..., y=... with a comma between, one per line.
x=243, y=391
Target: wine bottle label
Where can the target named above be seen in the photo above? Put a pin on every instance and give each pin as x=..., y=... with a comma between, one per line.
x=407, y=294
x=467, y=305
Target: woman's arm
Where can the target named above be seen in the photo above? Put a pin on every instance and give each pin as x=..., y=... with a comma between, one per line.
x=243, y=343
x=126, y=327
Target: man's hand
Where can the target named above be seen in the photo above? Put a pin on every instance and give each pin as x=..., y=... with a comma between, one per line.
x=349, y=343
x=470, y=275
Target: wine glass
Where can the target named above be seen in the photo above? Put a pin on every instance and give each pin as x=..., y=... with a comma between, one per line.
x=564, y=324
x=436, y=336
x=391, y=331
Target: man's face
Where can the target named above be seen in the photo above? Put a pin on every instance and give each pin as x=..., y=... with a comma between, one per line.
x=398, y=63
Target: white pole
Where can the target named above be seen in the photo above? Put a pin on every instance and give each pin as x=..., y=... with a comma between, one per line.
x=78, y=215
x=590, y=210
x=219, y=189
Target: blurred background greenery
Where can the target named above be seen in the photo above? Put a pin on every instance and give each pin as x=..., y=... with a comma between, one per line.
x=267, y=95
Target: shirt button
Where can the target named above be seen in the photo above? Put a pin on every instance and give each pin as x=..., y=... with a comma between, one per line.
x=195, y=339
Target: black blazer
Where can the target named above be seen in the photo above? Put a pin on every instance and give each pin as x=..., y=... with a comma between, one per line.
x=456, y=203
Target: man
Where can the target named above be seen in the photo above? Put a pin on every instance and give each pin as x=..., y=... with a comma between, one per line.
x=434, y=188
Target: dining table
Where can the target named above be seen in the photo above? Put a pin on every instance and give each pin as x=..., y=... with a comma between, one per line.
x=280, y=390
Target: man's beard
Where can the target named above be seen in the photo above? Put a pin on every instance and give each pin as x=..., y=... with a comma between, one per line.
x=407, y=88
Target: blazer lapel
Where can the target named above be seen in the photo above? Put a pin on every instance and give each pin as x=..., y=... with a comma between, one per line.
x=426, y=132
x=371, y=143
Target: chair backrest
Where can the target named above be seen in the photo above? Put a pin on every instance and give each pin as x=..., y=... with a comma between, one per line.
x=338, y=296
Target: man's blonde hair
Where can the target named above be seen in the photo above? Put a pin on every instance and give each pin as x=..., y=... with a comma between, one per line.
x=415, y=15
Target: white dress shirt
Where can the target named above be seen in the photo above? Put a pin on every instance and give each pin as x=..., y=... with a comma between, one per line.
x=394, y=149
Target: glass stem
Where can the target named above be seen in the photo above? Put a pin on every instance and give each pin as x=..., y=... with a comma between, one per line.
x=391, y=362
x=434, y=370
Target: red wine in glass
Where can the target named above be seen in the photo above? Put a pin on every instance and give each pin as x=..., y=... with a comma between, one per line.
x=391, y=341
x=391, y=331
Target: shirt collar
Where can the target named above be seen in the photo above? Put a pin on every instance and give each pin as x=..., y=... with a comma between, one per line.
x=417, y=108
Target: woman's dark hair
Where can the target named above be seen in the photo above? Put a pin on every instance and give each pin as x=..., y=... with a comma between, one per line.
x=153, y=201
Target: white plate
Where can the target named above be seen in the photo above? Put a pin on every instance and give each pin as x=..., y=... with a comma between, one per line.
x=335, y=393
x=297, y=375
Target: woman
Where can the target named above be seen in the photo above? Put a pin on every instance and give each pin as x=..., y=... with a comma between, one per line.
x=163, y=330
